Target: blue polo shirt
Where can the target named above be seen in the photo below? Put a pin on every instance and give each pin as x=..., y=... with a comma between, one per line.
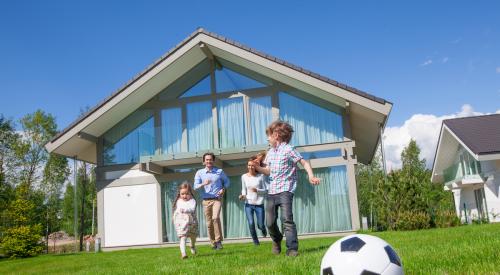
x=218, y=180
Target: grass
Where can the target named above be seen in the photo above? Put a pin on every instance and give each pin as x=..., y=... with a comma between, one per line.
x=472, y=249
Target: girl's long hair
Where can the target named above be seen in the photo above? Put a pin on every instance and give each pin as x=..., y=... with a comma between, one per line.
x=184, y=185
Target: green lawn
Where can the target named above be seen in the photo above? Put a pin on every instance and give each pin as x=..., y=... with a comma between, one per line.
x=469, y=249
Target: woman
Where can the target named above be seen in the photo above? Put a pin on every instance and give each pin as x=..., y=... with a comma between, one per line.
x=253, y=190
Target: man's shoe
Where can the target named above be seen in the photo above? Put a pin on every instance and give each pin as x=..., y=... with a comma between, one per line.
x=276, y=248
x=214, y=246
x=292, y=253
x=218, y=246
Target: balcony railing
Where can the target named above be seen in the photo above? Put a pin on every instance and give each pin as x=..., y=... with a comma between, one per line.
x=460, y=170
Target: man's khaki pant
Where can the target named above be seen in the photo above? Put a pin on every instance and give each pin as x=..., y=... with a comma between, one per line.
x=211, y=209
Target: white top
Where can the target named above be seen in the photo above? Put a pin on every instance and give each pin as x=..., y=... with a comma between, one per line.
x=258, y=182
x=183, y=206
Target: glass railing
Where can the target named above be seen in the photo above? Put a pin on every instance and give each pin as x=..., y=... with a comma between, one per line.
x=455, y=171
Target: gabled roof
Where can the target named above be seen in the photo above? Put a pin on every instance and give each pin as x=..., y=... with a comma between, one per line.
x=187, y=54
x=479, y=135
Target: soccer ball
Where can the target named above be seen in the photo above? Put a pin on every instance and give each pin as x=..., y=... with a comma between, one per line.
x=361, y=254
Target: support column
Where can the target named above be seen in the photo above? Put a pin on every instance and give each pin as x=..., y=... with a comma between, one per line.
x=351, y=183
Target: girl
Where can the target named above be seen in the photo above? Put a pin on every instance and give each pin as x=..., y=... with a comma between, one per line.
x=185, y=221
x=253, y=189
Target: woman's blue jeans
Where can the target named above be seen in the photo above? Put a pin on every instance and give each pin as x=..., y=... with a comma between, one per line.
x=250, y=209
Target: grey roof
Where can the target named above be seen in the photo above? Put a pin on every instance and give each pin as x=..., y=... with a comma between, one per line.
x=234, y=43
x=480, y=133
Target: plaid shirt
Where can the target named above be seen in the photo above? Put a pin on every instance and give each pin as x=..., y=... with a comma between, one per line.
x=282, y=163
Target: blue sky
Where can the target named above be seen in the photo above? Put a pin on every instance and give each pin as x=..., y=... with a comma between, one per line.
x=427, y=57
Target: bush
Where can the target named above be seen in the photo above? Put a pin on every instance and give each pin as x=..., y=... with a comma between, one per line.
x=446, y=219
x=412, y=220
x=22, y=241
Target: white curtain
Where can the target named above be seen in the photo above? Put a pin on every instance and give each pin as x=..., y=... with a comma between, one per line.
x=171, y=120
x=199, y=126
x=312, y=124
x=231, y=122
x=235, y=221
x=260, y=117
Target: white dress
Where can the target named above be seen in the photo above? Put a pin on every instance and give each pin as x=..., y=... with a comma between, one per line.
x=185, y=221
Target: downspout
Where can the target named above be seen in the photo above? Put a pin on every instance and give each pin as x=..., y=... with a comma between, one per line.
x=75, y=211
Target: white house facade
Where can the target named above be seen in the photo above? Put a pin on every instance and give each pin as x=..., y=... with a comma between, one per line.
x=212, y=94
x=468, y=163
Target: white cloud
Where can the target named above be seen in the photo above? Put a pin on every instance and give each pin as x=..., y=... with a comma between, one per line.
x=498, y=70
x=424, y=129
x=445, y=59
x=427, y=62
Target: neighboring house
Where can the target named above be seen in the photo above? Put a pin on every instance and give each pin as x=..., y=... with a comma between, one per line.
x=468, y=162
x=210, y=93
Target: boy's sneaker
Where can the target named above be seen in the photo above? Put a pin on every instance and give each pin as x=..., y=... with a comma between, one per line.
x=193, y=250
x=292, y=253
x=276, y=248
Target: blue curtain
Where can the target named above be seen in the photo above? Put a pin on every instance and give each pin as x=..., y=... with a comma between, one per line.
x=130, y=139
x=312, y=124
x=199, y=126
x=231, y=122
x=171, y=120
x=325, y=207
x=260, y=117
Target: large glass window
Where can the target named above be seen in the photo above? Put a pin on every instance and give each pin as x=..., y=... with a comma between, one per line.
x=311, y=123
x=260, y=117
x=231, y=122
x=171, y=130
x=199, y=126
x=130, y=139
x=228, y=80
x=200, y=88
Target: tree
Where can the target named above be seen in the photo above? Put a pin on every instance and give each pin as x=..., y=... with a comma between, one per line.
x=23, y=237
x=38, y=129
x=8, y=139
x=406, y=198
x=55, y=174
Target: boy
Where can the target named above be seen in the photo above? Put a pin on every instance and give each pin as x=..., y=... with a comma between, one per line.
x=281, y=166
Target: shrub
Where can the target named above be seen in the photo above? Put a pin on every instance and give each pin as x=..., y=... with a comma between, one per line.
x=22, y=241
x=446, y=219
x=412, y=220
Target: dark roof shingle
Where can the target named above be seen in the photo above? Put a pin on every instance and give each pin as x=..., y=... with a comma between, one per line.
x=480, y=133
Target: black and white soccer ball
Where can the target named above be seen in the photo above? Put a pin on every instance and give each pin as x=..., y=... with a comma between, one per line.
x=361, y=254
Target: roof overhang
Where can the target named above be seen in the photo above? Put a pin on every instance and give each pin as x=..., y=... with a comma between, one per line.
x=366, y=115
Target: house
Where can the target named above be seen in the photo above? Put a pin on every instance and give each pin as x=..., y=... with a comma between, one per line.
x=467, y=161
x=210, y=93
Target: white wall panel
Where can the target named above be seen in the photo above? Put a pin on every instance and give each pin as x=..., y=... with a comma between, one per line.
x=130, y=215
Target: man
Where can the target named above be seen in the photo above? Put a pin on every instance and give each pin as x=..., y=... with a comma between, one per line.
x=212, y=183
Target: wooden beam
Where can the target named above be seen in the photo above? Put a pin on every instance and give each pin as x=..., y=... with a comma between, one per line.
x=152, y=168
x=208, y=53
x=87, y=137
